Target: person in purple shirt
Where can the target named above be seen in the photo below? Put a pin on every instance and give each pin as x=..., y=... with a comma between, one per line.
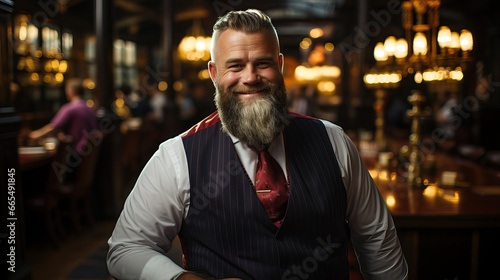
x=74, y=119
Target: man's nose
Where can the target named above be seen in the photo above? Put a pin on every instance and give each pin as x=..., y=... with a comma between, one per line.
x=250, y=75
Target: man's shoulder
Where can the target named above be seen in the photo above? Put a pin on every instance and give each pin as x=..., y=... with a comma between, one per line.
x=294, y=115
x=206, y=123
x=75, y=106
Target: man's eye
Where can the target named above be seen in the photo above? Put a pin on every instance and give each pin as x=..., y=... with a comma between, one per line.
x=263, y=64
x=235, y=66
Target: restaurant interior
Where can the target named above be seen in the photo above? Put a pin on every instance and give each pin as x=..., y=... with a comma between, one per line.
x=414, y=83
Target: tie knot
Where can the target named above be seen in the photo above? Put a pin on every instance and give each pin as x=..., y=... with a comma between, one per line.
x=259, y=149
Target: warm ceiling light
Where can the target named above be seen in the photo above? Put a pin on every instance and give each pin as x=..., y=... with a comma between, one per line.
x=305, y=43
x=329, y=47
x=316, y=32
x=426, y=46
x=420, y=44
x=162, y=86
x=379, y=52
x=401, y=48
x=444, y=37
x=455, y=40
x=195, y=46
x=466, y=41
x=390, y=45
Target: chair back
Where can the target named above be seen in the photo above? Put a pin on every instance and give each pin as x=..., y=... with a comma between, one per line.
x=58, y=168
x=85, y=172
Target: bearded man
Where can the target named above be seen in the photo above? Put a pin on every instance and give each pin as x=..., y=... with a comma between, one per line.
x=214, y=185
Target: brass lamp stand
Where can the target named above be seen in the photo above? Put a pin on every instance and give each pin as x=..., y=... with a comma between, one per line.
x=416, y=113
x=379, y=121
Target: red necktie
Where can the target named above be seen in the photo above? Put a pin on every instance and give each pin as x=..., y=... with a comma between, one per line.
x=271, y=187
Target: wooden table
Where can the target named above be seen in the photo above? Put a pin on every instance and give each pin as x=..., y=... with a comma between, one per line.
x=447, y=232
x=34, y=157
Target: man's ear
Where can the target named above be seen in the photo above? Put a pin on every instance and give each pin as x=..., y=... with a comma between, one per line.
x=281, y=62
x=212, y=71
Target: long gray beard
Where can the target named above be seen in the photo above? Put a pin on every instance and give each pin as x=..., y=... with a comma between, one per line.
x=256, y=121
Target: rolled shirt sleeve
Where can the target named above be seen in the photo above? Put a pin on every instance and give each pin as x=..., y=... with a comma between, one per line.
x=373, y=233
x=141, y=239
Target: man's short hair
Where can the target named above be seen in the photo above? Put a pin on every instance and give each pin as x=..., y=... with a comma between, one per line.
x=76, y=84
x=248, y=21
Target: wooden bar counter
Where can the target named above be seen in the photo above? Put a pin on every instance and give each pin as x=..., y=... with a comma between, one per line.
x=447, y=231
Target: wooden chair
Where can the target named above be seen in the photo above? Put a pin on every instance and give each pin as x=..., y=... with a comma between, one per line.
x=77, y=194
x=47, y=202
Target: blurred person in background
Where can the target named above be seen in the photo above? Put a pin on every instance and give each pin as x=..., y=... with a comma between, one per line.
x=74, y=119
x=452, y=121
x=158, y=102
x=188, y=111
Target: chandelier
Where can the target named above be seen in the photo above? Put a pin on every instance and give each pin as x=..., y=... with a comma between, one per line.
x=41, y=52
x=431, y=53
x=435, y=54
x=195, y=46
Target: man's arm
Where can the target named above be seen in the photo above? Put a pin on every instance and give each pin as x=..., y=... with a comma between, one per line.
x=373, y=233
x=151, y=218
x=44, y=130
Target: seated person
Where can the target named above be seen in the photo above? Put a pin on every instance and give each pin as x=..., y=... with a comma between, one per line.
x=74, y=118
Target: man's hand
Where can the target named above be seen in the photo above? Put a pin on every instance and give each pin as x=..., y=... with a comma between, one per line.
x=35, y=134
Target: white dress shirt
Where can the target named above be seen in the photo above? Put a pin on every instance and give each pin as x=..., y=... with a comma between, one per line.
x=154, y=210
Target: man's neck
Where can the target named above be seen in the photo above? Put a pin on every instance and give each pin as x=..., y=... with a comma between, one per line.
x=75, y=99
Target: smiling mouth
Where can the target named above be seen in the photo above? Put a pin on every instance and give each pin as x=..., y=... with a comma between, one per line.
x=252, y=92
x=256, y=90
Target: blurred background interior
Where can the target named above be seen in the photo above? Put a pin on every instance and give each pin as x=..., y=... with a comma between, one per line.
x=414, y=83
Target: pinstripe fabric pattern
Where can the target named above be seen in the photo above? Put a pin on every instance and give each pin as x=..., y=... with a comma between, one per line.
x=227, y=232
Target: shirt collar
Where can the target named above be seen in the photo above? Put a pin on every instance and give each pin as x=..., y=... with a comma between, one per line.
x=274, y=143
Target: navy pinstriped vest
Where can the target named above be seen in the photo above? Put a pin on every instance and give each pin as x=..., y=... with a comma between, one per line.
x=227, y=232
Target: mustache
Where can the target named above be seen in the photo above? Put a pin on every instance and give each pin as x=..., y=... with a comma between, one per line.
x=246, y=89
